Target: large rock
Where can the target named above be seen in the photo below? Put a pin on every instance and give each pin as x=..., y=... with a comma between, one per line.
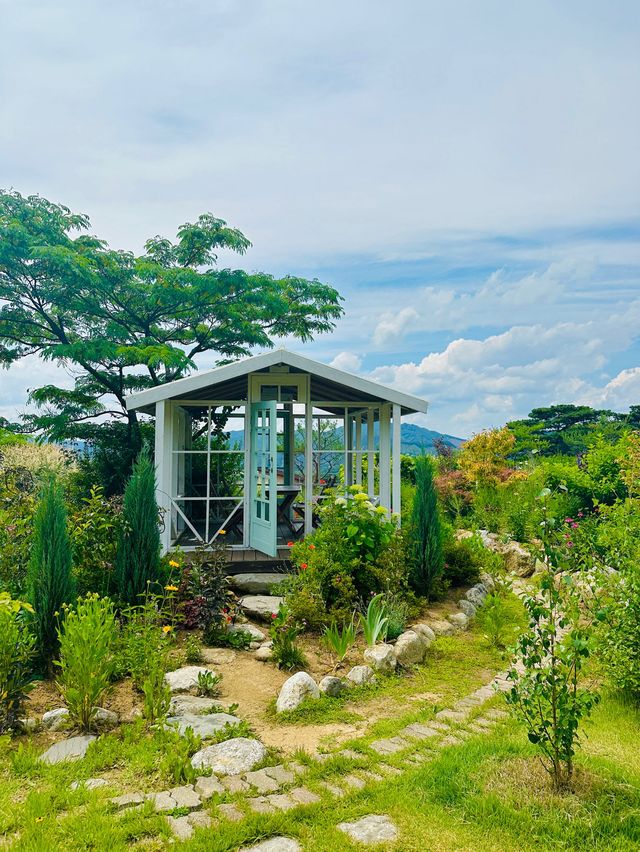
x=264, y=653
x=104, y=719
x=192, y=705
x=295, y=690
x=381, y=658
x=255, y=633
x=370, y=830
x=424, y=630
x=256, y=584
x=467, y=607
x=261, y=607
x=476, y=595
x=517, y=559
x=410, y=648
x=459, y=620
x=66, y=750
x=487, y=581
x=359, y=675
x=442, y=628
x=185, y=679
x=232, y=757
x=54, y=720
x=332, y=685
x=203, y=726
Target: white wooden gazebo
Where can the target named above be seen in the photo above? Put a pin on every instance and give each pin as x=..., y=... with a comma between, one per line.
x=247, y=450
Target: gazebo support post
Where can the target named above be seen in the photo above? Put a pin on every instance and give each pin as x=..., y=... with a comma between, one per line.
x=164, y=467
x=385, y=456
x=396, y=460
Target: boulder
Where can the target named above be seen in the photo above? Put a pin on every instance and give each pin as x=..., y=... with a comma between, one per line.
x=467, y=607
x=477, y=595
x=459, y=620
x=381, y=658
x=231, y=757
x=487, y=581
x=192, y=705
x=255, y=634
x=332, y=685
x=424, y=630
x=295, y=690
x=185, y=679
x=517, y=559
x=264, y=653
x=442, y=628
x=410, y=648
x=54, y=720
x=359, y=675
x=103, y=719
x=202, y=726
x=261, y=607
x=67, y=750
x=256, y=583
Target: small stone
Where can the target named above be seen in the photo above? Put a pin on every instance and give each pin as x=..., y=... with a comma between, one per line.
x=218, y=656
x=454, y=716
x=381, y=658
x=67, y=750
x=295, y=690
x=235, y=784
x=494, y=713
x=274, y=844
x=333, y=686
x=438, y=725
x=360, y=675
x=90, y=784
x=442, y=628
x=389, y=746
x=29, y=725
x=127, y=800
x=370, y=830
x=423, y=629
x=163, y=802
x=450, y=740
x=459, y=620
x=487, y=581
x=186, y=797
x=354, y=782
x=103, y=719
x=484, y=723
x=260, y=805
x=304, y=796
x=282, y=802
x=185, y=679
x=207, y=786
x=419, y=732
x=256, y=583
x=203, y=726
x=231, y=812
x=261, y=781
x=372, y=776
x=180, y=827
x=264, y=654
x=349, y=754
x=261, y=607
x=332, y=788
x=389, y=770
x=298, y=768
x=410, y=648
x=253, y=646
x=467, y=607
x=54, y=720
x=255, y=634
x=230, y=757
x=280, y=774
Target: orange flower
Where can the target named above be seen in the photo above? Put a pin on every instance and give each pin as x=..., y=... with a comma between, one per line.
x=304, y=566
x=312, y=547
x=289, y=544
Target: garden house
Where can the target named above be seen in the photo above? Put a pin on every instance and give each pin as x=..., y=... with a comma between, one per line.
x=245, y=452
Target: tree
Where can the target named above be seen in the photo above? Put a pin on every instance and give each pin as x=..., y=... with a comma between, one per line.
x=49, y=577
x=563, y=429
x=138, y=554
x=121, y=322
x=484, y=458
x=425, y=535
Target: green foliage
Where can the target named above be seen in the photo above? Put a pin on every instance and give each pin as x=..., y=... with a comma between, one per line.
x=145, y=639
x=94, y=528
x=284, y=631
x=547, y=694
x=618, y=629
x=495, y=621
x=87, y=645
x=155, y=691
x=374, y=621
x=218, y=637
x=562, y=429
x=17, y=649
x=138, y=552
x=464, y=558
x=49, y=579
x=125, y=323
x=178, y=749
x=192, y=650
x=204, y=593
x=209, y=684
x=425, y=537
x=340, y=639
x=398, y=612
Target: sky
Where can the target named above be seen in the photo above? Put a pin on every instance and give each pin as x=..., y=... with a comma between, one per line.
x=466, y=174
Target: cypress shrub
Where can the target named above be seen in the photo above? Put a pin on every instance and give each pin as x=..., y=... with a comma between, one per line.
x=49, y=577
x=425, y=536
x=138, y=554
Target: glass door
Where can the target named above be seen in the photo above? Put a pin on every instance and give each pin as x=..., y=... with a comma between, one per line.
x=263, y=521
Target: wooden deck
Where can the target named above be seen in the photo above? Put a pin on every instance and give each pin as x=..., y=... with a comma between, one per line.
x=247, y=560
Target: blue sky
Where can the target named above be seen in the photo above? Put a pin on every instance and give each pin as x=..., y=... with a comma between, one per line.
x=466, y=174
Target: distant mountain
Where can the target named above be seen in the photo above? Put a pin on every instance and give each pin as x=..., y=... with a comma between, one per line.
x=414, y=439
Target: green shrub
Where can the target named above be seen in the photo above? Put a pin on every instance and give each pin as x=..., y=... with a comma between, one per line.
x=463, y=560
x=303, y=596
x=87, y=645
x=496, y=622
x=145, y=639
x=192, y=650
x=374, y=621
x=424, y=537
x=398, y=612
x=340, y=640
x=17, y=649
x=156, y=692
x=284, y=631
x=138, y=552
x=209, y=684
x=204, y=593
x=50, y=581
x=95, y=527
x=618, y=631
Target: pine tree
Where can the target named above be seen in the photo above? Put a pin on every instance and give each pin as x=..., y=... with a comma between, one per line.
x=50, y=581
x=138, y=556
x=425, y=536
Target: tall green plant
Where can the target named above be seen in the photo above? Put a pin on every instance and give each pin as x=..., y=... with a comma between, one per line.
x=138, y=554
x=49, y=578
x=374, y=621
x=16, y=654
x=425, y=537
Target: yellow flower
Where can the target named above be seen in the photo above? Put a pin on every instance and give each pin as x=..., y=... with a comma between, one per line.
x=173, y=563
x=171, y=588
x=167, y=628
x=222, y=532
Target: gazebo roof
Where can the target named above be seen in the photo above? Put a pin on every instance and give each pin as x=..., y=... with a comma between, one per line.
x=229, y=382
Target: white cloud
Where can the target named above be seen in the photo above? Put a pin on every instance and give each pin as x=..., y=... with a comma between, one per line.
x=348, y=361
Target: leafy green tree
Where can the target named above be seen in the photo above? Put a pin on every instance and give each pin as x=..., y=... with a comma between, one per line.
x=425, y=536
x=563, y=429
x=49, y=579
x=138, y=554
x=123, y=322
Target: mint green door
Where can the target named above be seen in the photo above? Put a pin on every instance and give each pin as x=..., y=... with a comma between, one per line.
x=263, y=514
